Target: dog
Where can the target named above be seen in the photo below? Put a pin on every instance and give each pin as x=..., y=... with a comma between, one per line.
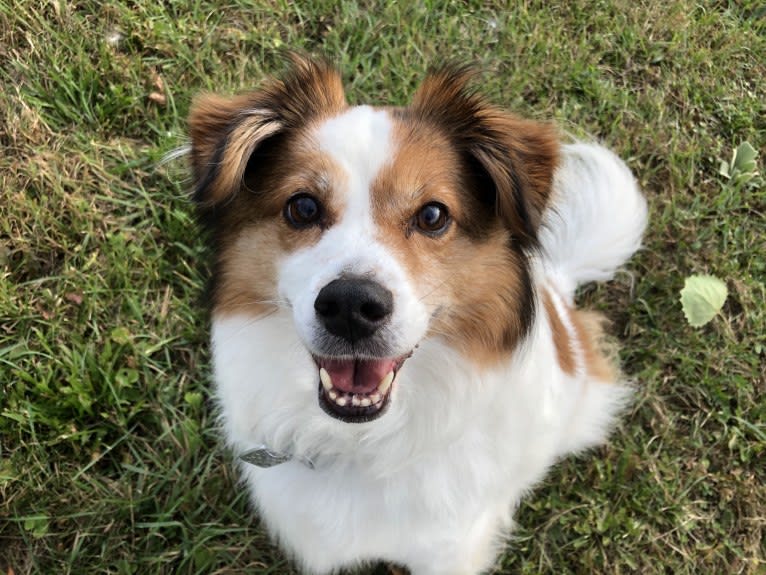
x=395, y=343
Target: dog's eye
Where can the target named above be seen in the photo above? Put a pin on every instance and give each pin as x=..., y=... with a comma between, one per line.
x=433, y=219
x=302, y=210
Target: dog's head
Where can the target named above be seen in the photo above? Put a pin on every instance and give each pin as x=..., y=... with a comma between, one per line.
x=377, y=227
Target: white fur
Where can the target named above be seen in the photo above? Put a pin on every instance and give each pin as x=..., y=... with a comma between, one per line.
x=431, y=484
x=359, y=143
x=597, y=219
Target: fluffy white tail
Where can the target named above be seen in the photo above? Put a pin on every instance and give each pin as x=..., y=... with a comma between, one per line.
x=596, y=217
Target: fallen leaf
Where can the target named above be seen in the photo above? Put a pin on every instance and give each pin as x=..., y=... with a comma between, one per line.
x=158, y=94
x=158, y=98
x=158, y=83
x=702, y=298
x=744, y=158
x=74, y=298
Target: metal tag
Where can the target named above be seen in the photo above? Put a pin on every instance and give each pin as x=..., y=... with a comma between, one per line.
x=262, y=456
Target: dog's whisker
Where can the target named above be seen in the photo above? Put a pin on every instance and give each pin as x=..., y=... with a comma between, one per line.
x=282, y=303
x=248, y=324
x=430, y=292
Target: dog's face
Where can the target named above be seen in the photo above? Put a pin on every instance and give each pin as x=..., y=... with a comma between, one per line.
x=376, y=227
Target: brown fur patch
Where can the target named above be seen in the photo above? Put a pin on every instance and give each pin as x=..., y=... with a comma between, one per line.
x=247, y=272
x=599, y=355
x=485, y=301
x=561, y=336
x=590, y=341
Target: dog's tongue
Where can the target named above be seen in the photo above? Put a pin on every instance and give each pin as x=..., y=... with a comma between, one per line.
x=357, y=375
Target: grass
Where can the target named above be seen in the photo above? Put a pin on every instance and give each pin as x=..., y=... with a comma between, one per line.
x=109, y=457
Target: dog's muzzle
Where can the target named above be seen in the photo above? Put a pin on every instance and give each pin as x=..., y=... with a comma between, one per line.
x=356, y=372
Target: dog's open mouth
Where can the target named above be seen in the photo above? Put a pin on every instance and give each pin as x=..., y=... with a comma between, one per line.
x=356, y=390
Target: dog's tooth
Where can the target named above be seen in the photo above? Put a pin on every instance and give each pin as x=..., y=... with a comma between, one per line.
x=365, y=402
x=355, y=401
x=375, y=397
x=385, y=383
x=333, y=394
x=325, y=378
x=341, y=401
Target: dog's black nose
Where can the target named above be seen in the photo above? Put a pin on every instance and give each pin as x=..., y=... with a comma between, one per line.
x=354, y=308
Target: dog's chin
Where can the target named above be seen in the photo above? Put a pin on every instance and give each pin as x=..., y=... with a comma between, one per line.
x=357, y=389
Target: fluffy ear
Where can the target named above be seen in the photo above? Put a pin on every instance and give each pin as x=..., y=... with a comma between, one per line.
x=224, y=134
x=225, y=131
x=516, y=157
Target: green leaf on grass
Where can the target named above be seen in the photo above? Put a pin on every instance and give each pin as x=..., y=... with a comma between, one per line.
x=743, y=166
x=120, y=335
x=126, y=377
x=744, y=158
x=37, y=525
x=193, y=398
x=702, y=298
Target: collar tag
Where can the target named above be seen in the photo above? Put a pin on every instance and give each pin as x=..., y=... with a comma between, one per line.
x=263, y=456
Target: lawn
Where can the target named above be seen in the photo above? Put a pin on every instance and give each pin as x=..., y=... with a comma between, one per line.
x=109, y=457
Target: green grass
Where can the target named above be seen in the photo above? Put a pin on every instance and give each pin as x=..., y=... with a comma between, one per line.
x=109, y=457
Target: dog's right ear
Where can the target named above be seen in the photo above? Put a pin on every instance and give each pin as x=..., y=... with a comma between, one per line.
x=225, y=131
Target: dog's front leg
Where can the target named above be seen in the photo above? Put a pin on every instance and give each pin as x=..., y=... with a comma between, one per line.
x=468, y=552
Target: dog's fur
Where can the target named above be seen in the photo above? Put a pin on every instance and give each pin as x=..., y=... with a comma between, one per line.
x=497, y=375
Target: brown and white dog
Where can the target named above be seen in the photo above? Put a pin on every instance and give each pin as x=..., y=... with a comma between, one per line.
x=393, y=327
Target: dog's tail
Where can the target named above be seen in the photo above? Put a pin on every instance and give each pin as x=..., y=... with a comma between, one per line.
x=596, y=217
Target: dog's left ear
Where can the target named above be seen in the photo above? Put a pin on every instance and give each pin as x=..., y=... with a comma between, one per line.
x=515, y=157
